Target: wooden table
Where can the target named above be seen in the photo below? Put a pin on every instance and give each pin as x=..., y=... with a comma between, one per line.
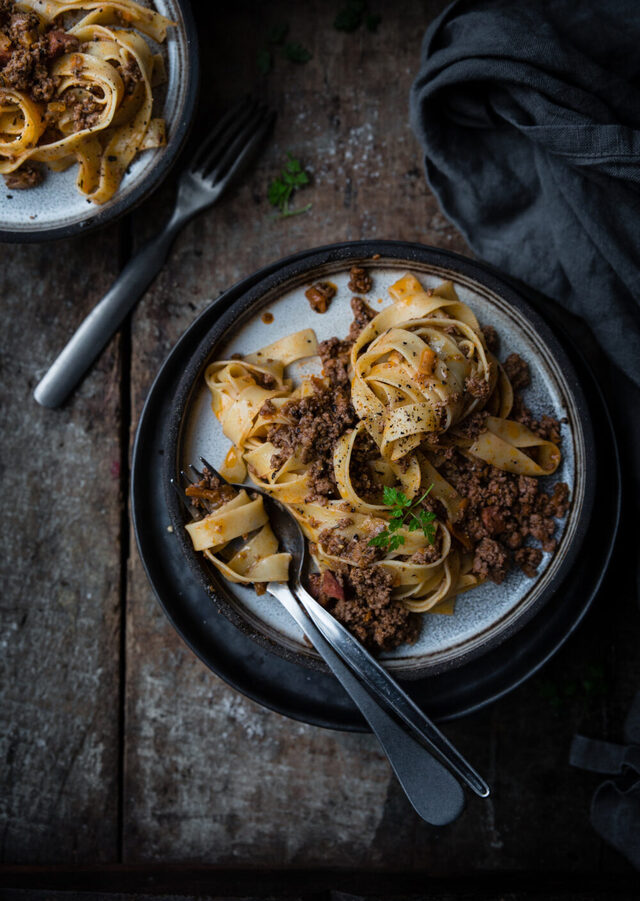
x=123, y=755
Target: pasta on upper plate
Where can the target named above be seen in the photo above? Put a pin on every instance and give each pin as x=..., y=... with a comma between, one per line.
x=412, y=464
x=76, y=86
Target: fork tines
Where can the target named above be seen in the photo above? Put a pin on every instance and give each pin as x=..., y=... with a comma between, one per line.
x=233, y=138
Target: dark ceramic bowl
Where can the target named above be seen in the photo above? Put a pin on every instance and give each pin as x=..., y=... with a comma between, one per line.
x=484, y=618
x=56, y=209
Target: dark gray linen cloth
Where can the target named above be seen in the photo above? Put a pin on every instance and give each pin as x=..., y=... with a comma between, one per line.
x=529, y=117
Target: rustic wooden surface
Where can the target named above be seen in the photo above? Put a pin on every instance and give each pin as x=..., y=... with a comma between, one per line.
x=119, y=745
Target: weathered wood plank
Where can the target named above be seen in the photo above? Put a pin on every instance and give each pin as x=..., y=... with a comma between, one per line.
x=61, y=563
x=209, y=775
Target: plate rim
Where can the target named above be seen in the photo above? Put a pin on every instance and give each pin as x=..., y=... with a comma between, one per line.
x=154, y=177
x=249, y=303
x=518, y=668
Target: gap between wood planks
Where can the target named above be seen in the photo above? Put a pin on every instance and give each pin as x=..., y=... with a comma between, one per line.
x=125, y=250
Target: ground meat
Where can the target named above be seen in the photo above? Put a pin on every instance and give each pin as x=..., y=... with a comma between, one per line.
x=493, y=520
x=527, y=490
x=320, y=296
x=528, y=559
x=329, y=584
x=548, y=428
x=362, y=316
x=428, y=554
x=478, y=387
x=25, y=54
x=334, y=355
x=356, y=550
x=27, y=176
x=5, y=50
x=27, y=71
x=85, y=113
x=23, y=28
x=210, y=492
x=322, y=481
x=268, y=409
x=557, y=504
x=367, y=608
x=491, y=338
x=490, y=560
x=362, y=478
x=542, y=528
x=59, y=42
x=506, y=510
x=360, y=281
x=472, y=426
x=517, y=371
x=316, y=423
x=265, y=380
x=6, y=8
x=130, y=74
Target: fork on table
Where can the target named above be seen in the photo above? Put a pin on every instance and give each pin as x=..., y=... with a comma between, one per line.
x=227, y=150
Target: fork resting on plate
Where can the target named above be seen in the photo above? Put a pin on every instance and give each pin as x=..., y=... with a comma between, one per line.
x=422, y=758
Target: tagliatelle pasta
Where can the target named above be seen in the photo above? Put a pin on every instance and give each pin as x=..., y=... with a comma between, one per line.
x=419, y=411
x=76, y=86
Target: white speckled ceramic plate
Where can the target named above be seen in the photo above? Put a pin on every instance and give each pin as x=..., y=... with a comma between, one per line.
x=482, y=617
x=56, y=209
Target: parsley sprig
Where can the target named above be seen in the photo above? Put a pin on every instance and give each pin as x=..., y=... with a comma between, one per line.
x=351, y=16
x=281, y=188
x=404, y=512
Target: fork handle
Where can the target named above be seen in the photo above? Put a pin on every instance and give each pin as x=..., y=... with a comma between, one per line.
x=378, y=680
x=435, y=794
x=103, y=321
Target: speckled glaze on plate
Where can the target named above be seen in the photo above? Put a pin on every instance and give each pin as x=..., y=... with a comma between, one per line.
x=56, y=209
x=484, y=617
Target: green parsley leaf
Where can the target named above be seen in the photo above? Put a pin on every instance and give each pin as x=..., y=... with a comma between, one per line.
x=404, y=513
x=349, y=18
x=277, y=33
x=296, y=53
x=265, y=61
x=393, y=497
x=372, y=22
x=281, y=188
x=381, y=539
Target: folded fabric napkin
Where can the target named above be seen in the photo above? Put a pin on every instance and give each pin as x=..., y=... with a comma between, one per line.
x=529, y=116
x=615, y=808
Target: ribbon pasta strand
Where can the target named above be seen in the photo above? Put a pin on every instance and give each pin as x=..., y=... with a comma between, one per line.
x=94, y=118
x=418, y=370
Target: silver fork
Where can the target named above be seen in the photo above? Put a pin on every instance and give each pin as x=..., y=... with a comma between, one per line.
x=331, y=640
x=222, y=156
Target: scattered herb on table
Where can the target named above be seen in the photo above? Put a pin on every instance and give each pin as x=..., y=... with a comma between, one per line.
x=404, y=512
x=291, y=50
x=584, y=691
x=353, y=14
x=265, y=61
x=296, y=53
x=281, y=188
x=372, y=21
x=277, y=33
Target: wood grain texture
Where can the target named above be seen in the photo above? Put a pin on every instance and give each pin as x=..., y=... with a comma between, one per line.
x=209, y=775
x=61, y=565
